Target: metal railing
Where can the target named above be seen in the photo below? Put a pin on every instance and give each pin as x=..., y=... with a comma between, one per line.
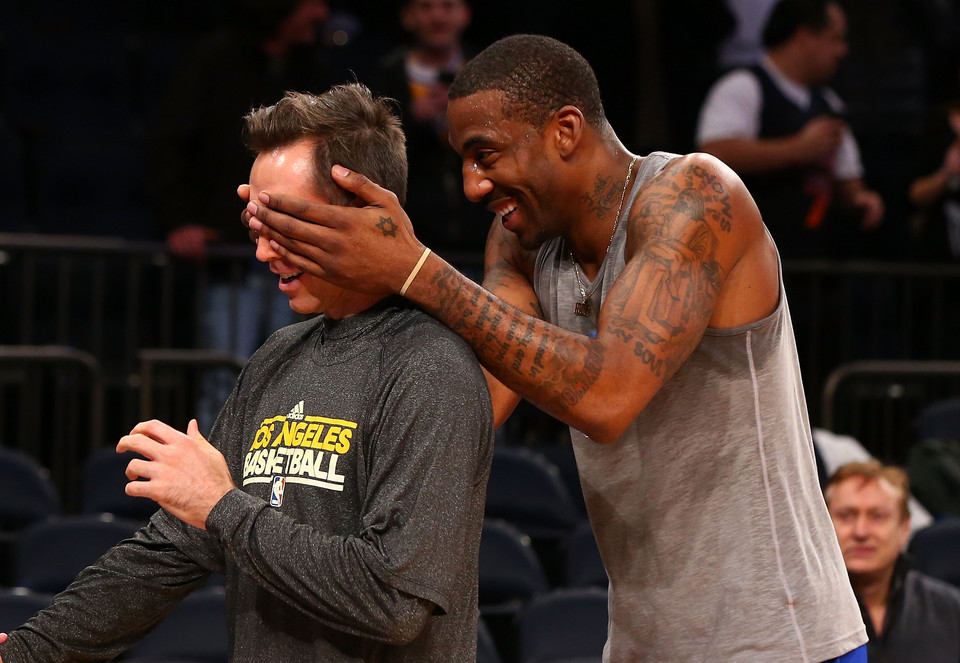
x=169, y=384
x=52, y=407
x=877, y=402
x=853, y=311
x=127, y=303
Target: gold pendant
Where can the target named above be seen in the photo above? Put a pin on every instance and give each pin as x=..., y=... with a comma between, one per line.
x=582, y=309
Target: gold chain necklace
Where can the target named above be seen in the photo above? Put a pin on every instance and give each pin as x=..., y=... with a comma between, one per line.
x=582, y=308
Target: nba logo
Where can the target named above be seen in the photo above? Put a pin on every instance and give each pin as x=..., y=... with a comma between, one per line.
x=276, y=491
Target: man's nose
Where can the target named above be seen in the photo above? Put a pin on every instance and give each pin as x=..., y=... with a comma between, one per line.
x=861, y=527
x=475, y=186
x=265, y=252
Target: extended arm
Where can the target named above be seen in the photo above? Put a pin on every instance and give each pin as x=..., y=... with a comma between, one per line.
x=729, y=129
x=115, y=601
x=190, y=479
x=817, y=140
x=683, y=239
x=928, y=189
x=864, y=202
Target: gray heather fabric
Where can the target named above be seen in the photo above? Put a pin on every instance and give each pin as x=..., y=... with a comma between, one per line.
x=381, y=427
x=707, y=511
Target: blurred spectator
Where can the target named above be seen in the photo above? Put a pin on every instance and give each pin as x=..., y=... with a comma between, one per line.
x=198, y=159
x=936, y=192
x=909, y=616
x=743, y=46
x=418, y=75
x=782, y=130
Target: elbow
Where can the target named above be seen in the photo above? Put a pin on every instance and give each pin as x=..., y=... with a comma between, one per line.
x=608, y=429
x=604, y=434
x=608, y=418
x=407, y=623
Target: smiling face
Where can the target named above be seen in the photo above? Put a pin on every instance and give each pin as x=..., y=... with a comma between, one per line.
x=870, y=524
x=289, y=169
x=508, y=167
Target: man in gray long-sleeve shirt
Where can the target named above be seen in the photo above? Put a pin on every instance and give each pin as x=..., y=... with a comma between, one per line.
x=342, y=488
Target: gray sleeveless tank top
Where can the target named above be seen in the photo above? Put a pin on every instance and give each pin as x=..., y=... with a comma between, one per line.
x=708, y=511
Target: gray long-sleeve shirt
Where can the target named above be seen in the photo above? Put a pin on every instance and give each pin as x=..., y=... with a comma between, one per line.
x=360, y=450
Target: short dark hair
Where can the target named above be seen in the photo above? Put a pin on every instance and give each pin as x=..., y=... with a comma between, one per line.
x=788, y=16
x=351, y=128
x=538, y=76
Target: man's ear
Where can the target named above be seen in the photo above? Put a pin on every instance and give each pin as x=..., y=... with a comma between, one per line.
x=567, y=126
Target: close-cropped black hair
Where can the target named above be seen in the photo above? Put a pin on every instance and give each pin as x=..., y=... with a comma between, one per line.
x=788, y=16
x=538, y=75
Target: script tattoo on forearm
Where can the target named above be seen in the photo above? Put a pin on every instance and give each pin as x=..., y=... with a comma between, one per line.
x=553, y=369
x=674, y=273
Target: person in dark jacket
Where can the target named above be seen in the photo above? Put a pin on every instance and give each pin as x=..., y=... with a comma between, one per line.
x=909, y=616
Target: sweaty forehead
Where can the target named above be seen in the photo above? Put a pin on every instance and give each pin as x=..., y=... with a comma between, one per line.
x=286, y=169
x=480, y=118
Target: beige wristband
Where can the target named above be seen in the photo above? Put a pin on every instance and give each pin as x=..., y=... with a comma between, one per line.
x=414, y=271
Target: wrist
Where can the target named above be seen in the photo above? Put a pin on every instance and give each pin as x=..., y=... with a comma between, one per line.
x=414, y=271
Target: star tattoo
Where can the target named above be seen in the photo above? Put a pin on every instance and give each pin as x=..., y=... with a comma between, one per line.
x=387, y=226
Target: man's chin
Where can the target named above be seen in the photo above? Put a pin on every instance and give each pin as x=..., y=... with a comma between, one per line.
x=864, y=569
x=532, y=243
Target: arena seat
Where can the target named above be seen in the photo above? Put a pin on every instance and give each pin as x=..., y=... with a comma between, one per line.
x=29, y=495
x=940, y=419
x=18, y=605
x=526, y=490
x=195, y=632
x=103, y=482
x=486, y=648
x=49, y=555
x=935, y=550
x=564, y=626
x=584, y=566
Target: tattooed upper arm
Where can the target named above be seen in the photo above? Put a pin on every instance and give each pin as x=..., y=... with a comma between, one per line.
x=508, y=270
x=678, y=254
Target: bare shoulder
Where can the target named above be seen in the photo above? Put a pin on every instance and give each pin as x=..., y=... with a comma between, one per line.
x=508, y=270
x=698, y=203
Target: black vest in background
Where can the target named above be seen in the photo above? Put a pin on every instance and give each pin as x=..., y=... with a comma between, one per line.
x=796, y=203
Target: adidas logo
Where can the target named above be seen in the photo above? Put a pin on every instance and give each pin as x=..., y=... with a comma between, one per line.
x=297, y=412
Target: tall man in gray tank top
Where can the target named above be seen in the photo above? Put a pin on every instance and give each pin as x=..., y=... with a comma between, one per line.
x=639, y=300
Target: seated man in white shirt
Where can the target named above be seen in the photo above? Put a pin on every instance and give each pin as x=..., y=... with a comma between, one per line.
x=781, y=129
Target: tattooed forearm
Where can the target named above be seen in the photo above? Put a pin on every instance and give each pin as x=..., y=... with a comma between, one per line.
x=552, y=368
